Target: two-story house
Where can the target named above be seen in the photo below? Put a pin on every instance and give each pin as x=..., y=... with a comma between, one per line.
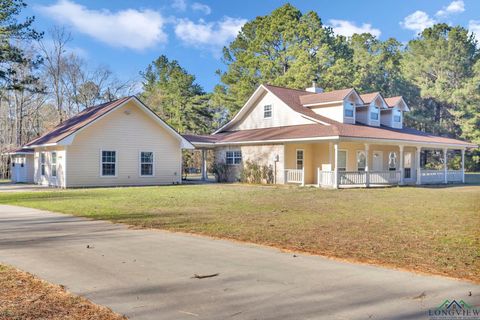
x=331, y=139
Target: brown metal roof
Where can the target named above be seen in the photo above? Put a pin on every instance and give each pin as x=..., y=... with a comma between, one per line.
x=368, y=97
x=325, y=97
x=392, y=101
x=75, y=123
x=316, y=130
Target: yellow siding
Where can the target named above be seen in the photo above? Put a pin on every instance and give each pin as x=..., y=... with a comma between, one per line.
x=282, y=115
x=128, y=131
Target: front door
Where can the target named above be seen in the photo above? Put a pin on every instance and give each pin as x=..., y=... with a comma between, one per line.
x=20, y=170
x=377, y=161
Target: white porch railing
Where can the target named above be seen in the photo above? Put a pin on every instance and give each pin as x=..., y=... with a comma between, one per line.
x=352, y=177
x=432, y=176
x=325, y=178
x=294, y=176
x=384, y=177
x=454, y=175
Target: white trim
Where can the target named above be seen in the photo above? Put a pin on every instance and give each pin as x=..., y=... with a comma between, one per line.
x=101, y=162
x=140, y=164
x=411, y=143
x=322, y=103
x=40, y=145
x=65, y=167
x=315, y=120
x=277, y=140
x=245, y=106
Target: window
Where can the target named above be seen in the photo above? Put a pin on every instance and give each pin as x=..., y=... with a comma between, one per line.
x=42, y=163
x=342, y=160
x=109, y=163
x=392, y=161
x=267, y=111
x=233, y=157
x=374, y=115
x=54, y=164
x=361, y=160
x=397, y=117
x=349, y=110
x=146, y=163
x=299, y=159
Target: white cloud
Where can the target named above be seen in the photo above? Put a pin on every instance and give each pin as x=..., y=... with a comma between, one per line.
x=456, y=6
x=474, y=27
x=212, y=35
x=180, y=5
x=348, y=28
x=417, y=21
x=197, y=6
x=130, y=28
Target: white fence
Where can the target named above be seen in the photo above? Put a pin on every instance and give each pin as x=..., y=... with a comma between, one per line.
x=432, y=176
x=454, y=175
x=384, y=177
x=294, y=176
x=325, y=178
x=352, y=177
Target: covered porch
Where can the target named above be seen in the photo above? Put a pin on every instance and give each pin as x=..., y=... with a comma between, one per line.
x=344, y=164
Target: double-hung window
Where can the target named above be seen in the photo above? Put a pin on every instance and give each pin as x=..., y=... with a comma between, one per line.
x=361, y=160
x=300, y=159
x=146, y=163
x=349, y=110
x=109, y=163
x=267, y=111
x=374, y=114
x=233, y=157
x=397, y=116
x=53, y=164
x=42, y=163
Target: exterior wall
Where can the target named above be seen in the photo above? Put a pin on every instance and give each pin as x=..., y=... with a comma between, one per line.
x=259, y=154
x=28, y=167
x=127, y=133
x=334, y=112
x=362, y=115
x=308, y=156
x=48, y=179
x=282, y=115
x=387, y=118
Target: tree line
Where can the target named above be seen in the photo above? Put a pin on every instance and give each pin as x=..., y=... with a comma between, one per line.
x=438, y=73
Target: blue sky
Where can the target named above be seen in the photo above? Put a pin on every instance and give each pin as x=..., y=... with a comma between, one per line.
x=127, y=35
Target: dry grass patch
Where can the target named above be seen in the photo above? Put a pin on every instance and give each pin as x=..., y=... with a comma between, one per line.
x=24, y=297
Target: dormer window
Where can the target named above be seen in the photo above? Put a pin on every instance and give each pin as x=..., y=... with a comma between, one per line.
x=267, y=111
x=374, y=114
x=397, y=118
x=349, y=110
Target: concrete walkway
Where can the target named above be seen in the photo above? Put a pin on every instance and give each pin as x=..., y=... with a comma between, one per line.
x=147, y=274
x=20, y=187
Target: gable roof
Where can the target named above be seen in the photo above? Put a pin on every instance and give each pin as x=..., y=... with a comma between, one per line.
x=392, y=101
x=78, y=122
x=369, y=97
x=324, y=127
x=325, y=97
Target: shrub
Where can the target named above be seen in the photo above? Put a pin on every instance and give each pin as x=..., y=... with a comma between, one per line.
x=255, y=173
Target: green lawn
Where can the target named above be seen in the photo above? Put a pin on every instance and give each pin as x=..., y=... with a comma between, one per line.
x=433, y=230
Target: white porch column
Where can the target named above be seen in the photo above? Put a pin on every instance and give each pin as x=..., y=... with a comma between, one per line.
x=445, y=165
x=204, y=165
x=330, y=153
x=402, y=169
x=463, y=165
x=419, y=171
x=335, y=170
x=367, y=173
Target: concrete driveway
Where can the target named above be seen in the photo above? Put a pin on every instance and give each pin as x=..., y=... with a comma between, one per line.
x=147, y=274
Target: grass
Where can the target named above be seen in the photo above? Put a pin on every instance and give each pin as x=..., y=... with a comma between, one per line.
x=433, y=230
x=23, y=296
